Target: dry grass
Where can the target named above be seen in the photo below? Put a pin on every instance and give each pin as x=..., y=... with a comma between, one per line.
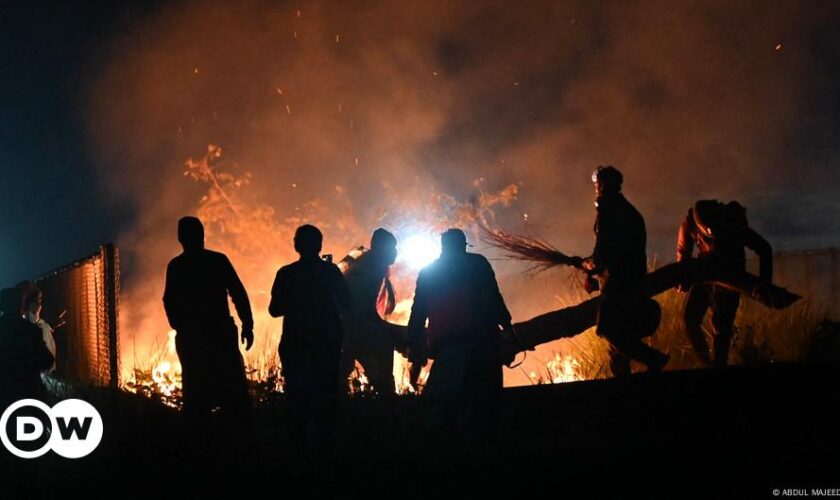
x=762, y=336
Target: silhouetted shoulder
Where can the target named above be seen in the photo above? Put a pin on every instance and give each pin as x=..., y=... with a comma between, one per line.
x=175, y=262
x=218, y=258
x=332, y=267
x=478, y=259
x=287, y=269
x=429, y=269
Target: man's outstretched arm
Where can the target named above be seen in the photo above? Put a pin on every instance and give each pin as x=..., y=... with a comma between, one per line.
x=242, y=304
x=417, y=324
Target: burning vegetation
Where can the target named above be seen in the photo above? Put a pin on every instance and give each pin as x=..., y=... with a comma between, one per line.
x=233, y=222
x=232, y=218
x=343, y=121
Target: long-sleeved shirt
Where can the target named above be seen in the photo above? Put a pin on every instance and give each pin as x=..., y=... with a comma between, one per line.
x=369, y=285
x=620, y=239
x=198, y=284
x=460, y=297
x=23, y=355
x=732, y=235
x=308, y=294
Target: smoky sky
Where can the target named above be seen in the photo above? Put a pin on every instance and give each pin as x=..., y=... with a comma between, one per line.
x=387, y=100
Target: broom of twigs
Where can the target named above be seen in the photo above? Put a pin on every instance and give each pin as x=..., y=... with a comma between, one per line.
x=540, y=254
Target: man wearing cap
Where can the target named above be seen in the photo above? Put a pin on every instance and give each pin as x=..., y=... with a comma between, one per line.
x=619, y=260
x=720, y=232
x=459, y=296
x=198, y=283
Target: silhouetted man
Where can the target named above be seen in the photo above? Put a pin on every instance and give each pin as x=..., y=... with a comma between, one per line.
x=198, y=283
x=619, y=259
x=23, y=354
x=459, y=296
x=308, y=293
x=368, y=338
x=720, y=233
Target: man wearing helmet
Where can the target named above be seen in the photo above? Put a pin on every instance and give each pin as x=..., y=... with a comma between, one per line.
x=720, y=232
x=619, y=260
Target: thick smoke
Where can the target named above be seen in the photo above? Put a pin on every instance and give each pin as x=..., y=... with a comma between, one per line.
x=362, y=106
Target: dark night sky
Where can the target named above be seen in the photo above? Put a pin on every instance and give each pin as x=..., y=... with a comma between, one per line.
x=54, y=206
x=51, y=210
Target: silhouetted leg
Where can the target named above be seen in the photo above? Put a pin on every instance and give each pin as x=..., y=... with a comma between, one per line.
x=324, y=399
x=298, y=394
x=619, y=362
x=197, y=394
x=622, y=321
x=232, y=383
x=234, y=420
x=196, y=375
x=346, y=365
x=615, y=320
x=725, y=308
x=443, y=389
x=477, y=429
x=611, y=326
x=634, y=348
x=483, y=388
x=699, y=300
x=378, y=362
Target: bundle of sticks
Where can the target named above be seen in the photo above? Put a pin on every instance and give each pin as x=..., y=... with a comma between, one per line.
x=536, y=251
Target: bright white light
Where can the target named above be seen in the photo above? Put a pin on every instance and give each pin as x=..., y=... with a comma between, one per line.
x=419, y=250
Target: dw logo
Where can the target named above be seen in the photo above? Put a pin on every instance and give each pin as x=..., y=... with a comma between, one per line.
x=72, y=428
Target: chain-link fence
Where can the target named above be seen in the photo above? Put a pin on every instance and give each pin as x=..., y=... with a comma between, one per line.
x=82, y=299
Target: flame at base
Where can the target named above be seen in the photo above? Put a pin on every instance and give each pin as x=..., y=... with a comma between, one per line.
x=163, y=380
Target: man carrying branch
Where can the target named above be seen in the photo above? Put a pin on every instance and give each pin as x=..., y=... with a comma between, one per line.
x=619, y=260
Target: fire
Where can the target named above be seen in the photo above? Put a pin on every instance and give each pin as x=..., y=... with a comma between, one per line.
x=561, y=368
x=564, y=368
x=163, y=380
x=258, y=242
x=402, y=367
x=358, y=382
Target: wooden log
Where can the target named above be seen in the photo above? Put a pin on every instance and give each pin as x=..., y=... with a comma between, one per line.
x=571, y=321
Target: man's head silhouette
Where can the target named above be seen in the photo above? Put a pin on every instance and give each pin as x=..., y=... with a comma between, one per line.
x=453, y=242
x=607, y=180
x=308, y=241
x=384, y=245
x=191, y=233
x=708, y=217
